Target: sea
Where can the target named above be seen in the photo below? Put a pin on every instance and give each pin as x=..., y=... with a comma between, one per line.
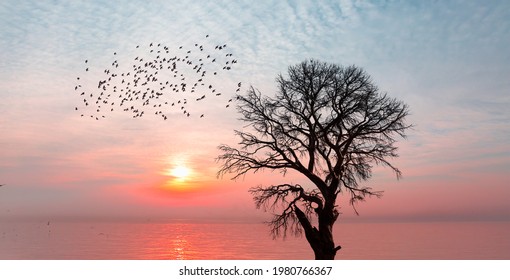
x=249, y=241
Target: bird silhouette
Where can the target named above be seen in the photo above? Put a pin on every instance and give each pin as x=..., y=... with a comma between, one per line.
x=159, y=76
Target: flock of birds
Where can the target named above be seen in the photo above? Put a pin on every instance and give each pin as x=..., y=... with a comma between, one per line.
x=157, y=81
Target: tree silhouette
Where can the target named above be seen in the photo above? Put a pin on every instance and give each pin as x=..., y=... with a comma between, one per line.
x=327, y=122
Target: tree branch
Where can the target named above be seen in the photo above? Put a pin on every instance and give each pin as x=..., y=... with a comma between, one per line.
x=327, y=122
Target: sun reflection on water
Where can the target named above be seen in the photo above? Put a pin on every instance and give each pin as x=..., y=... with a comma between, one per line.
x=180, y=246
x=173, y=242
x=202, y=241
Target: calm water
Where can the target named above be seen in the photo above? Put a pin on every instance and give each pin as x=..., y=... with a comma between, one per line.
x=249, y=241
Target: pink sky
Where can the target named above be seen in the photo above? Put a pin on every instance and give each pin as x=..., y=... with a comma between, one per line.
x=451, y=70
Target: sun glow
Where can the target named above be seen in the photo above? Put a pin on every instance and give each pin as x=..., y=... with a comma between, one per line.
x=180, y=172
x=180, y=175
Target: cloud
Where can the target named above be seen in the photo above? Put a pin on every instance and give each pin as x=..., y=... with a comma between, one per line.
x=448, y=60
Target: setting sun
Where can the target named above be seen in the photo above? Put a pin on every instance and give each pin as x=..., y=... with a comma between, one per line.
x=180, y=172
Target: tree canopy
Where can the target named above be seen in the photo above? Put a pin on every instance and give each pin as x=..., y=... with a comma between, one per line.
x=328, y=122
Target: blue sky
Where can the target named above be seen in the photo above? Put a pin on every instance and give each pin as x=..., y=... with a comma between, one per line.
x=448, y=60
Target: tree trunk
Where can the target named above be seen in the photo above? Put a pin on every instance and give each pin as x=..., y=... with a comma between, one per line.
x=321, y=240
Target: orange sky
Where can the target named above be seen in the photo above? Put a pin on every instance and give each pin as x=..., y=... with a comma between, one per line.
x=438, y=58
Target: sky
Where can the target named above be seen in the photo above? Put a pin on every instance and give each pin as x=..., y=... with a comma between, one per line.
x=448, y=60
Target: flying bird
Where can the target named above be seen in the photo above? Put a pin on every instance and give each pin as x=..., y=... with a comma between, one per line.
x=157, y=77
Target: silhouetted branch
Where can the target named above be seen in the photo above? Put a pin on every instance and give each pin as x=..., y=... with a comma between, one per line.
x=285, y=197
x=327, y=122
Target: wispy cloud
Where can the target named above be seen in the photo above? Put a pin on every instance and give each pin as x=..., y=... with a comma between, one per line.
x=447, y=59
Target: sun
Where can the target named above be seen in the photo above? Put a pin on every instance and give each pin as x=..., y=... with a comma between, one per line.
x=180, y=172
x=180, y=178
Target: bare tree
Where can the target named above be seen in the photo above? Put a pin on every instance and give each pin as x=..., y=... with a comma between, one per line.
x=329, y=123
